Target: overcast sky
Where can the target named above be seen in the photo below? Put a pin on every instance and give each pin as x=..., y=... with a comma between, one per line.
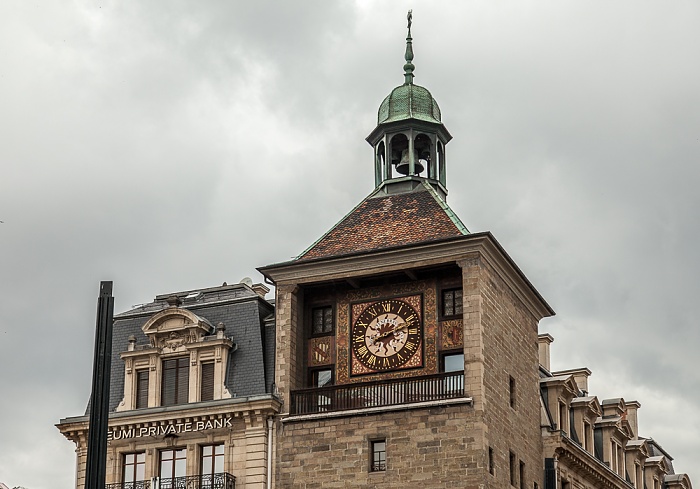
x=174, y=145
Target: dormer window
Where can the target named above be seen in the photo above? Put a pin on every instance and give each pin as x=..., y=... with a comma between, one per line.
x=185, y=361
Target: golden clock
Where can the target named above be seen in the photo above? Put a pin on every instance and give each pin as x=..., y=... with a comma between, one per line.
x=386, y=335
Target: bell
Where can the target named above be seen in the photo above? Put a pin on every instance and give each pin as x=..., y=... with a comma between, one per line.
x=402, y=166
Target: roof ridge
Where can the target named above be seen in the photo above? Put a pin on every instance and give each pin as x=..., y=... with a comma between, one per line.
x=448, y=210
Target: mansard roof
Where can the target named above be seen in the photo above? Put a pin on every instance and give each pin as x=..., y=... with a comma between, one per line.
x=384, y=221
x=238, y=307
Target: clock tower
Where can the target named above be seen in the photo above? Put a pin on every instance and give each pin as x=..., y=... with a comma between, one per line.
x=406, y=346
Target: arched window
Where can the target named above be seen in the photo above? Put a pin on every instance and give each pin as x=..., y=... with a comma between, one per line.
x=421, y=147
x=380, y=169
x=399, y=153
x=440, y=163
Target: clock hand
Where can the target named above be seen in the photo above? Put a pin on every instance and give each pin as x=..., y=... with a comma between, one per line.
x=379, y=336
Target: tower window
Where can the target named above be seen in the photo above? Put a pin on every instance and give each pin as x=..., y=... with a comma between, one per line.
x=452, y=302
x=176, y=381
x=378, y=452
x=512, y=468
x=491, y=468
x=322, y=378
x=511, y=391
x=522, y=475
x=453, y=362
x=322, y=320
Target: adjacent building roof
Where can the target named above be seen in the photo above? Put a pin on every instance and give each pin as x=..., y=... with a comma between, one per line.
x=238, y=307
x=387, y=220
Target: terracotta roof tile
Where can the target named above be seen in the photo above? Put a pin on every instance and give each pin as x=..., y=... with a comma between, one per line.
x=386, y=221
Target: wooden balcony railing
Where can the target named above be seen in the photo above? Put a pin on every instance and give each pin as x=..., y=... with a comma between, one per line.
x=390, y=392
x=222, y=480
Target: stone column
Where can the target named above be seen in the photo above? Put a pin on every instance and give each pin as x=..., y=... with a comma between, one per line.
x=288, y=375
x=473, y=331
x=256, y=451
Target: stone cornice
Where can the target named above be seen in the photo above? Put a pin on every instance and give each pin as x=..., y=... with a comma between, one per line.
x=584, y=462
x=483, y=245
x=246, y=408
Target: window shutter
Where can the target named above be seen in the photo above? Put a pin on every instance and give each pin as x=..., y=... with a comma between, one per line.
x=183, y=380
x=207, y=385
x=169, y=382
x=175, y=383
x=141, y=389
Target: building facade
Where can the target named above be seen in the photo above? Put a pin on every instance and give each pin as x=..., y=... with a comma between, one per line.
x=401, y=350
x=191, y=401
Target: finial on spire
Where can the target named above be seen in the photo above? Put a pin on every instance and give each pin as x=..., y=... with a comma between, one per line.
x=409, y=67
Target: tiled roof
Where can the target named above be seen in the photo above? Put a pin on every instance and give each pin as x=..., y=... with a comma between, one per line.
x=385, y=221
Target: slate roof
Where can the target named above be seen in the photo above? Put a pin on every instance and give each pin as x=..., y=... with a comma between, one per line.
x=385, y=221
x=250, y=366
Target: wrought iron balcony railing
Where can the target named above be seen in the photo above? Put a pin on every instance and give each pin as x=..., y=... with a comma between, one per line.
x=381, y=393
x=222, y=480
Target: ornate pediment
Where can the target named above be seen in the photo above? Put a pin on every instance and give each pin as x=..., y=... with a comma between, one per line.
x=173, y=328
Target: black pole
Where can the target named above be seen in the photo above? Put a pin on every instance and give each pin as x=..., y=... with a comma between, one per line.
x=96, y=469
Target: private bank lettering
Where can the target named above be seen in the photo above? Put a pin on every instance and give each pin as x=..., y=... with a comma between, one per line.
x=168, y=429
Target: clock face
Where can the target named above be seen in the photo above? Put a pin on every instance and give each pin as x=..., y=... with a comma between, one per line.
x=386, y=335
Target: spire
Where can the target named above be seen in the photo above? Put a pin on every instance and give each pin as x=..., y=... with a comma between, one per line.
x=409, y=67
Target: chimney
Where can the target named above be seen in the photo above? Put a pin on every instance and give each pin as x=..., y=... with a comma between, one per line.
x=544, y=340
x=631, y=409
x=613, y=407
x=260, y=289
x=580, y=377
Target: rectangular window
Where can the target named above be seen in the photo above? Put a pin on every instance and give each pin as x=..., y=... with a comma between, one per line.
x=638, y=483
x=613, y=456
x=378, y=462
x=512, y=468
x=212, y=463
x=452, y=302
x=322, y=378
x=491, y=469
x=563, y=418
x=565, y=484
x=322, y=320
x=175, y=382
x=141, y=388
x=522, y=475
x=453, y=362
x=206, y=387
x=173, y=464
x=511, y=391
x=134, y=469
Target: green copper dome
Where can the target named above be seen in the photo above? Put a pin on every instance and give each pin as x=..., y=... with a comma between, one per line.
x=409, y=101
